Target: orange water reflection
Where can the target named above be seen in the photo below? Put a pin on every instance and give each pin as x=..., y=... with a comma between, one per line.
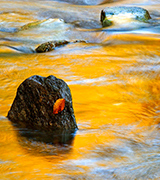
x=109, y=94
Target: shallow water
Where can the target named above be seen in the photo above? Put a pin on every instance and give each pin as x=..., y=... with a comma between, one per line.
x=114, y=77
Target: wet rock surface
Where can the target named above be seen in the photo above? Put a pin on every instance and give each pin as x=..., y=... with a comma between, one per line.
x=49, y=46
x=112, y=14
x=33, y=105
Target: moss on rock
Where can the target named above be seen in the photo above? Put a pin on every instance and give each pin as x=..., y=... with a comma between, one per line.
x=136, y=13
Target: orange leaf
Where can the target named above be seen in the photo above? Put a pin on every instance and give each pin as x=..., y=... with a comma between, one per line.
x=58, y=106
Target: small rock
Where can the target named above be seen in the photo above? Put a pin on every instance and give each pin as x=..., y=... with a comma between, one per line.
x=49, y=46
x=115, y=14
x=33, y=105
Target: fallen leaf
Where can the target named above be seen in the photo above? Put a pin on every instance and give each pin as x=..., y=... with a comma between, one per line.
x=58, y=106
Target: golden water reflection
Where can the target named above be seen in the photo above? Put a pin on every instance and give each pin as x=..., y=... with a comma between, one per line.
x=116, y=100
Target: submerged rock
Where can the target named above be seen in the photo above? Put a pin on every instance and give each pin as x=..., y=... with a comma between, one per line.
x=118, y=14
x=32, y=25
x=43, y=24
x=34, y=101
x=45, y=30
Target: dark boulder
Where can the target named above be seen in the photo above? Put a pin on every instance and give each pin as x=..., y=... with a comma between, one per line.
x=33, y=105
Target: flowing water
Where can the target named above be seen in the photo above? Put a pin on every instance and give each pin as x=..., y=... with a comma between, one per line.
x=114, y=77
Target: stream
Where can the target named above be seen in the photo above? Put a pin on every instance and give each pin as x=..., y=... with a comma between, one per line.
x=114, y=77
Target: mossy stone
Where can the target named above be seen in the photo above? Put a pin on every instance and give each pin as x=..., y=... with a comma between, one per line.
x=136, y=13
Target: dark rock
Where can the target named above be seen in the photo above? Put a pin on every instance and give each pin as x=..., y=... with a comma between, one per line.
x=118, y=13
x=33, y=105
x=49, y=46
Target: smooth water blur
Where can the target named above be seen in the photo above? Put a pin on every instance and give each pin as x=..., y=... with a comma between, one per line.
x=114, y=77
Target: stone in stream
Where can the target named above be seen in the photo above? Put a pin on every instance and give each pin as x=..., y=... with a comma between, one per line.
x=33, y=105
x=49, y=46
x=118, y=14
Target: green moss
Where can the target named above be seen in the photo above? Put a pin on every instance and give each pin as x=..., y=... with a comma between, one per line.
x=48, y=46
x=145, y=18
x=106, y=22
